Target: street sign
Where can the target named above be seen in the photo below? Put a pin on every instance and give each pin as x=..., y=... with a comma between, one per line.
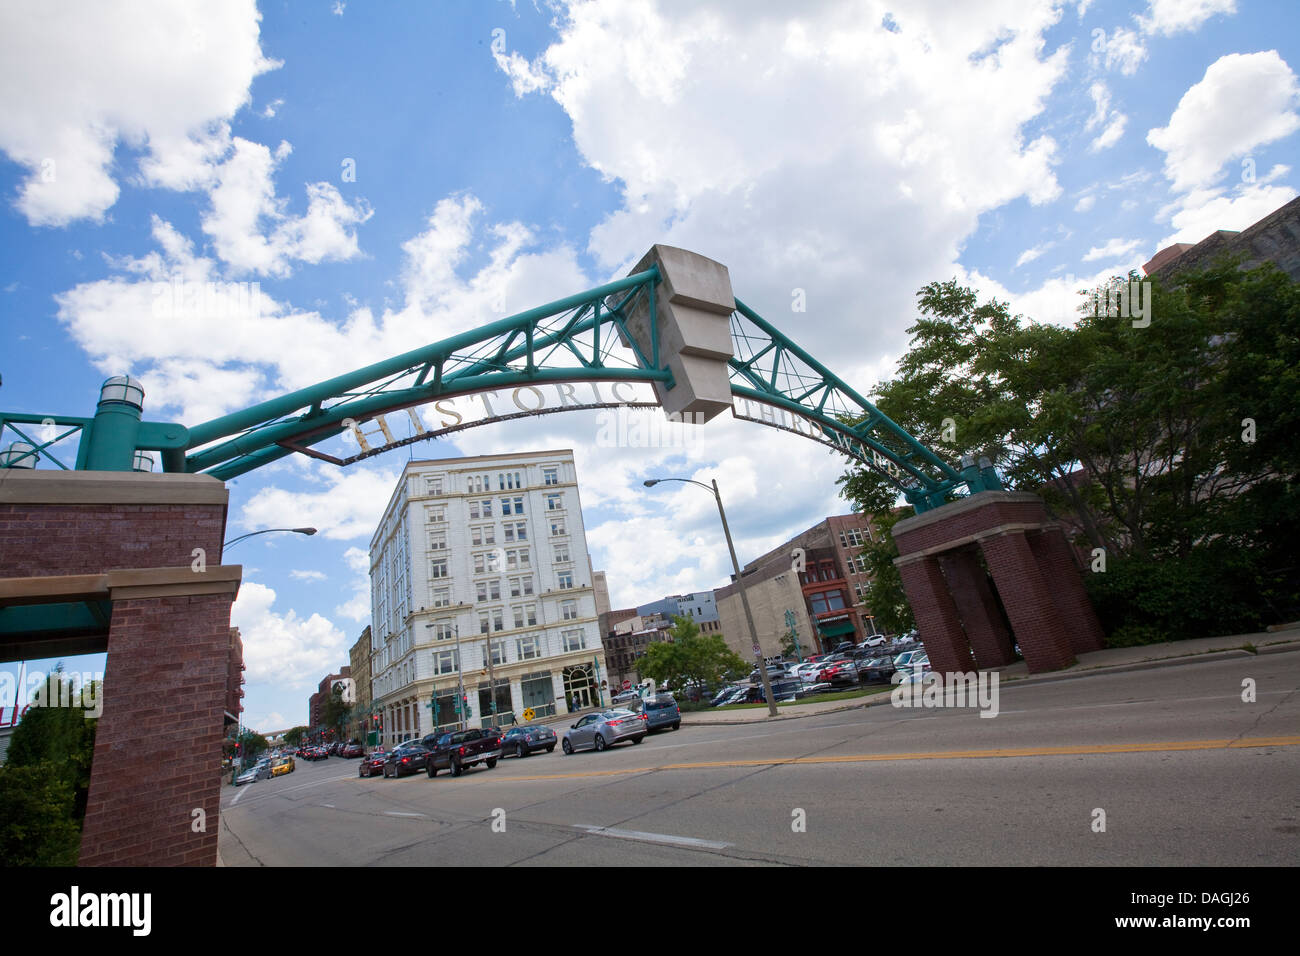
x=529, y=713
x=627, y=684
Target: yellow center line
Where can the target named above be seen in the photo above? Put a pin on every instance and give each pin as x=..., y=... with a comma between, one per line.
x=1176, y=745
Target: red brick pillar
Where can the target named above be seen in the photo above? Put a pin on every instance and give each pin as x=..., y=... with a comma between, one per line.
x=158, y=745
x=1055, y=557
x=936, y=615
x=978, y=608
x=1043, y=637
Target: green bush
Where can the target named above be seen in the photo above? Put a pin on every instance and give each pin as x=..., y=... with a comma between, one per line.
x=37, y=826
x=1209, y=592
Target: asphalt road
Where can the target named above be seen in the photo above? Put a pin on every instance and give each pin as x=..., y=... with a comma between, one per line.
x=1185, y=771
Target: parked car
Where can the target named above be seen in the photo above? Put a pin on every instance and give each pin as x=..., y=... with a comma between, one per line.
x=839, y=673
x=526, y=740
x=455, y=750
x=602, y=730
x=352, y=750
x=726, y=692
x=911, y=672
x=873, y=642
x=733, y=695
x=625, y=697
x=876, y=670
x=407, y=758
x=661, y=711
x=259, y=771
x=372, y=763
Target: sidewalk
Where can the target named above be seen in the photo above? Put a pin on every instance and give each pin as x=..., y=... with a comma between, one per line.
x=1110, y=661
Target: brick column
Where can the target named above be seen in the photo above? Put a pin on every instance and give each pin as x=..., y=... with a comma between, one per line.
x=158, y=745
x=978, y=608
x=1056, y=559
x=936, y=615
x=1043, y=637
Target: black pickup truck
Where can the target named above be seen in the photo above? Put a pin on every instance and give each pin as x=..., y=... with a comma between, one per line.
x=458, y=749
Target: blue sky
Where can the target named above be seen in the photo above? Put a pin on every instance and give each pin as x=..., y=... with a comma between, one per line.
x=390, y=174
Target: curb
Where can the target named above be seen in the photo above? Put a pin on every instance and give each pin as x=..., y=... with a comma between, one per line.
x=1210, y=657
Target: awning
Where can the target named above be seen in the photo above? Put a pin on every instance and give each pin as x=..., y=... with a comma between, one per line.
x=836, y=629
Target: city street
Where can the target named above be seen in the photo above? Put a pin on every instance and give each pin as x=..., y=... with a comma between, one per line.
x=1181, y=769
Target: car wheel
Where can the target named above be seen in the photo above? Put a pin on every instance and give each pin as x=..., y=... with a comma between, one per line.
x=637, y=740
x=521, y=750
x=677, y=726
x=600, y=742
x=568, y=747
x=456, y=768
x=431, y=770
x=551, y=749
x=491, y=762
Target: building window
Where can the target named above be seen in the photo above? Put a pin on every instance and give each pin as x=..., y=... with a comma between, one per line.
x=489, y=591
x=436, y=514
x=861, y=591
x=521, y=586
x=444, y=662
x=433, y=486
x=557, y=527
x=827, y=601
x=561, y=553
x=555, y=502
x=569, y=610
x=574, y=641
x=566, y=580
x=498, y=619
x=442, y=597
x=486, y=562
x=851, y=538
x=483, y=534
x=509, y=480
x=518, y=558
x=525, y=615
x=438, y=541
x=438, y=568
x=484, y=622
x=516, y=531
x=528, y=648
x=499, y=650
x=512, y=506
x=550, y=476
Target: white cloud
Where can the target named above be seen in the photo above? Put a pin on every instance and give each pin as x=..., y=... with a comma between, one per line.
x=1102, y=113
x=1111, y=134
x=283, y=648
x=243, y=199
x=1168, y=17
x=1113, y=249
x=1121, y=49
x=1029, y=255
x=1208, y=212
x=1242, y=102
x=1085, y=203
x=159, y=75
x=349, y=506
x=307, y=575
x=357, y=607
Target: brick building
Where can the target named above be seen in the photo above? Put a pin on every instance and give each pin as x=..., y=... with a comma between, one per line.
x=234, y=682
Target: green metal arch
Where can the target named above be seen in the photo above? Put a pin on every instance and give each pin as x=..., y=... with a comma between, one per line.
x=581, y=338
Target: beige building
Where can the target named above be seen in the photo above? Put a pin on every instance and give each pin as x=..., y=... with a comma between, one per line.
x=360, y=655
x=772, y=590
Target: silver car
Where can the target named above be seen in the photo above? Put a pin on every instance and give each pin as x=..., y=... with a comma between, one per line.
x=602, y=730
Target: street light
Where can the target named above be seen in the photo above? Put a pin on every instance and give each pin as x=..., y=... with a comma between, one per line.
x=234, y=541
x=740, y=583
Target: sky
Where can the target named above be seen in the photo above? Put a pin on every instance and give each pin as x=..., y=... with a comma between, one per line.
x=389, y=174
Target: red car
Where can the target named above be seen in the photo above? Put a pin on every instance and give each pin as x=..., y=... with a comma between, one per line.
x=841, y=672
x=372, y=763
x=352, y=750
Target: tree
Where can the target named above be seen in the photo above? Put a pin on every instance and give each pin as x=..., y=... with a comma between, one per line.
x=689, y=657
x=293, y=736
x=1139, y=434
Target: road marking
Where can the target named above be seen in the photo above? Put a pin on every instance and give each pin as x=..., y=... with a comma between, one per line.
x=1079, y=749
x=650, y=837
x=394, y=813
x=237, y=796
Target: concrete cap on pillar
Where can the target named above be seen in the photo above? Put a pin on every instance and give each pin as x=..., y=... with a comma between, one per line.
x=123, y=389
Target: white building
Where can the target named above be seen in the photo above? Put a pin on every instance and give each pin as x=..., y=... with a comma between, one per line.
x=482, y=550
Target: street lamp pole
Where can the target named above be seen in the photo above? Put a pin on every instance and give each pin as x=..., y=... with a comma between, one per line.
x=235, y=541
x=740, y=584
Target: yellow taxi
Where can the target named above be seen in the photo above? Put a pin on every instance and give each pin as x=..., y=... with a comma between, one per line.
x=281, y=766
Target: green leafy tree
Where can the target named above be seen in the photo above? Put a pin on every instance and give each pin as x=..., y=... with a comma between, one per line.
x=689, y=657
x=1152, y=439
x=293, y=736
